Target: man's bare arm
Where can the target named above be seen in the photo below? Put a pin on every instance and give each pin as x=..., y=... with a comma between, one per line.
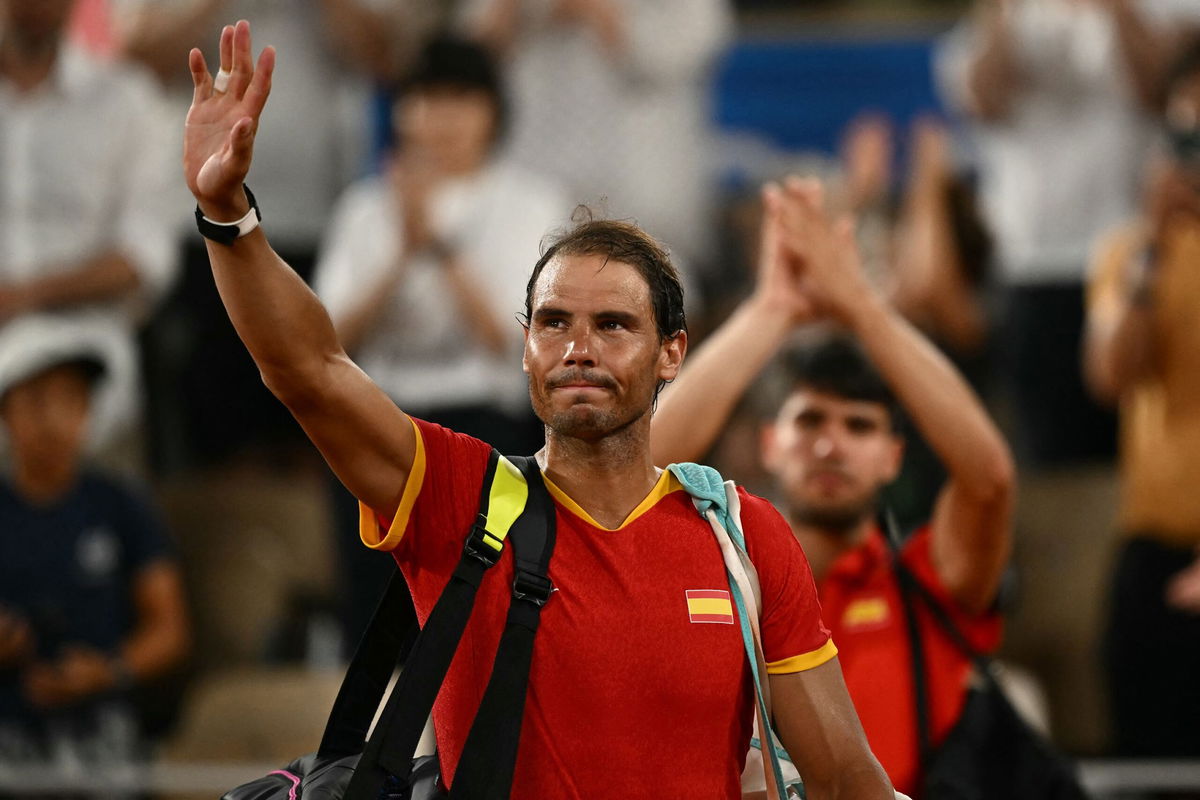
x=971, y=522
x=368, y=442
x=161, y=637
x=820, y=730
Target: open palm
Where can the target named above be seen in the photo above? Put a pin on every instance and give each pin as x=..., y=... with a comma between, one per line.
x=219, y=133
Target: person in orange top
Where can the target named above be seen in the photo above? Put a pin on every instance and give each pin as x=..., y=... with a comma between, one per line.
x=1143, y=350
x=611, y=693
x=836, y=442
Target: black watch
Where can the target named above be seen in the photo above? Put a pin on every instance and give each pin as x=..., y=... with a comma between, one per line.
x=227, y=233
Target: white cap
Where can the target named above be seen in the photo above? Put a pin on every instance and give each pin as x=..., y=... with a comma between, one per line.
x=34, y=343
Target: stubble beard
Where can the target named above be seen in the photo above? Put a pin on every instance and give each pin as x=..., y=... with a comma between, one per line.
x=839, y=520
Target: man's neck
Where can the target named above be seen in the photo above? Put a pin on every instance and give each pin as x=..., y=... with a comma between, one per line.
x=608, y=477
x=25, y=66
x=823, y=546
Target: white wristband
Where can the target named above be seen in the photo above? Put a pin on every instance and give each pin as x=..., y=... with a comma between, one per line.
x=243, y=225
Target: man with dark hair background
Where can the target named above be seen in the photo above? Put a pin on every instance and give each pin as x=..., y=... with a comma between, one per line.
x=621, y=667
x=836, y=442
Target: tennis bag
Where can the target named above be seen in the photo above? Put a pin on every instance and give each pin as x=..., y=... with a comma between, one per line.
x=514, y=506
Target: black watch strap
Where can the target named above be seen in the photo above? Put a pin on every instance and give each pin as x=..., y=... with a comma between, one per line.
x=227, y=233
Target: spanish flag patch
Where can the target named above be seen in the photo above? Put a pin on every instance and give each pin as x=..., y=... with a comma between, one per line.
x=709, y=605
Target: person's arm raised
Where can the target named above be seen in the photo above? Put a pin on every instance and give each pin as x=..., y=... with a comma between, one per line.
x=971, y=526
x=693, y=410
x=369, y=443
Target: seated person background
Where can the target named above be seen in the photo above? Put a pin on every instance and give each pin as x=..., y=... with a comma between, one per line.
x=91, y=601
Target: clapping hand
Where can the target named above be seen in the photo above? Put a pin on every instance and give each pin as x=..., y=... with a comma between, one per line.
x=822, y=251
x=222, y=122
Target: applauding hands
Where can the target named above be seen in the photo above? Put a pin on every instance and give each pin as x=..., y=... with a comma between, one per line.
x=809, y=266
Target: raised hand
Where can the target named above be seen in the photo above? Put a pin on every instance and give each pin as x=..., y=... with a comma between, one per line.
x=777, y=285
x=824, y=253
x=221, y=124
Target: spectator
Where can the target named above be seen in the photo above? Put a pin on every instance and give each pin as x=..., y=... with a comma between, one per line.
x=337, y=47
x=1060, y=95
x=86, y=167
x=610, y=99
x=1143, y=349
x=91, y=604
x=836, y=443
x=423, y=269
x=1058, y=92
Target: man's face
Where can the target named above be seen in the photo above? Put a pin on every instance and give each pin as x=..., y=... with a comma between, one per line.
x=831, y=456
x=592, y=351
x=451, y=127
x=46, y=418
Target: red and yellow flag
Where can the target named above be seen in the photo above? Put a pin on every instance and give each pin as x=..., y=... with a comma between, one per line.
x=709, y=605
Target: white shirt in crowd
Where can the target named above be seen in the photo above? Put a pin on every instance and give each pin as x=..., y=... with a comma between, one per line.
x=420, y=351
x=1067, y=163
x=86, y=169
x=627, y=135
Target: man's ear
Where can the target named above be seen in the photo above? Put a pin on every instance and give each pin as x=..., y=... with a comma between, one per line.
x=525, y=350
x=671, y=356
x=768, y=449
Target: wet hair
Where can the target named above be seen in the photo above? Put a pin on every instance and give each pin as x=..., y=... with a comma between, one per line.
x=837, y=365
x=618, y=240
x=452, y=62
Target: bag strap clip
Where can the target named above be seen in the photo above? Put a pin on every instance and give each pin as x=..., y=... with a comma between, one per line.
x=481, y=545
x=532, y=587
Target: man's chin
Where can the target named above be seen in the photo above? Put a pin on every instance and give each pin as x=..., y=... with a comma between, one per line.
x=838, y=519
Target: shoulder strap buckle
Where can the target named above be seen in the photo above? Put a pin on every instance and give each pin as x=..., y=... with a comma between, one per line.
x=532, y=587
x=481, y=545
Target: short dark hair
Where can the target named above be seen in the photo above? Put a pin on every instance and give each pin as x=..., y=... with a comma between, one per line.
x=453, y=62
x=837, y=364
x=618, y=240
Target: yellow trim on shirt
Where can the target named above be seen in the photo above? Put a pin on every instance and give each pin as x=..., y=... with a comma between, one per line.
x=804, y=661
x=667, y=483
x=368, y=523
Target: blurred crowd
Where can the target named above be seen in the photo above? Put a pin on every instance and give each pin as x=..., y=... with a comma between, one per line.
x=168, y=538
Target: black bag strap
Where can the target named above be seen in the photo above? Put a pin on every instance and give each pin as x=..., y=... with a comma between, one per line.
x=390, y=749
x=910, y=587
x=489, y=756
x=906, y=579
x=386, y=642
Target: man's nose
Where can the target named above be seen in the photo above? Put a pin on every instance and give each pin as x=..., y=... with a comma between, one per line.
x=827, y=445
x=579, y=351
